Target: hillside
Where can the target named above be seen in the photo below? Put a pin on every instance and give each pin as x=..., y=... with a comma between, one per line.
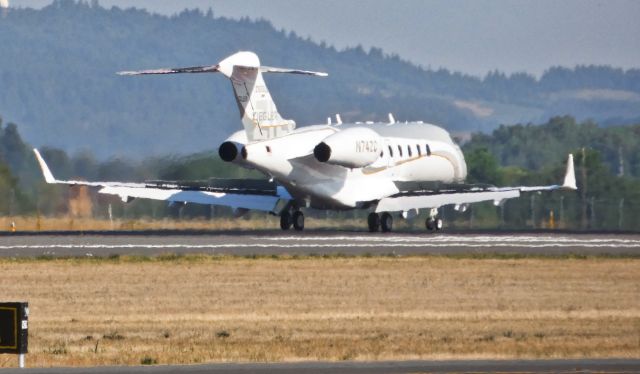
x=57, y=80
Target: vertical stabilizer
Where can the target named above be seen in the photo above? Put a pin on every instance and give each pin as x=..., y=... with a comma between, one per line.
x=258, y=112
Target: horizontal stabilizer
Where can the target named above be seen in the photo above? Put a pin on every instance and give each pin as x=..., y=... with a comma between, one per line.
x=258, y=111
x=269, y=69
x=216, y=68
x=193, y=69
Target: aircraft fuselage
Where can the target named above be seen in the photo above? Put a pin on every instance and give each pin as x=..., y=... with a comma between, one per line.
x=399, y=152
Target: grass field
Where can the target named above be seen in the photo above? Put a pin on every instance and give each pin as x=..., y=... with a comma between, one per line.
x=194, y=309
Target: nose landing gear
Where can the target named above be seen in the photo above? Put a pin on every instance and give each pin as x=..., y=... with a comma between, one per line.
x=433, y=222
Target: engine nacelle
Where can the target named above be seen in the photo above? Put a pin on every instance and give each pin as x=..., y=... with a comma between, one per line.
x=230, y=149
x=353, y=148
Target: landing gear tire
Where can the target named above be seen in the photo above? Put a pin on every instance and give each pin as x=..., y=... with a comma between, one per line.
x=374, y=222
x=285, y=220
x=298, y=220
x=434, y=224
x=386, y=222
x=430, y=224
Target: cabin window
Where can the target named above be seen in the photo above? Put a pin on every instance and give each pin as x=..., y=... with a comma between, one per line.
x=418, y=149
x=409, y=150
x=390, y=151
x=400, y=150
x=428, y=150
x=268, y=149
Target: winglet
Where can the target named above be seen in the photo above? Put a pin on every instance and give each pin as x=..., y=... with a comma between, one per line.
x=48, y=177
x=570, y=176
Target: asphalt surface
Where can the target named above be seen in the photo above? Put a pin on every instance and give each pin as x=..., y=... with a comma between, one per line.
x=319, y=243
x=464, y=366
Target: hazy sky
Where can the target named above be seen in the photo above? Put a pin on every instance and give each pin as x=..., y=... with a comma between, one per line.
x=472, y=36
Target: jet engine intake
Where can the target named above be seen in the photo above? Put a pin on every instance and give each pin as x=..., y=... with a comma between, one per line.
x=322, y=152
x=353, y=148
x=228, y=151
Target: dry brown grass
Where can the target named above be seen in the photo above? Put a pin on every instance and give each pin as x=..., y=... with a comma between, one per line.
x=202, y=309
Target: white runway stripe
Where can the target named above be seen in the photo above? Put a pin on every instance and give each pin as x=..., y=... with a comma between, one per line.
x=458, y=239
x=318, y=245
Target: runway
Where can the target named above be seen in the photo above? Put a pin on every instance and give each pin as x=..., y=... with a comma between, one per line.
x=391, y=367
x=316, y=243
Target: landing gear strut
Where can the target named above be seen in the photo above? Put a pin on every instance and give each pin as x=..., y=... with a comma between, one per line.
x=433, y=222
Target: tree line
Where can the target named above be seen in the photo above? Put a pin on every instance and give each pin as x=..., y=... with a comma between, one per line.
x=606, y=161
x=607, y=170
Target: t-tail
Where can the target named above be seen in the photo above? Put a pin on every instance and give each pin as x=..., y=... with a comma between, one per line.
x=258, y=112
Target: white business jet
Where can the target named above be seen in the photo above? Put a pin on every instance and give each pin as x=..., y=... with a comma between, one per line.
x=390, y=169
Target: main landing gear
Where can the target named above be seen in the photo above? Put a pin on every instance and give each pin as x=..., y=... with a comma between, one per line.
x=376, y=222
x=384, y=222
x=296, y=220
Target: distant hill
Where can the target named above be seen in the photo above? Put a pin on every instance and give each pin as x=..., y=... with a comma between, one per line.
x=57, y=81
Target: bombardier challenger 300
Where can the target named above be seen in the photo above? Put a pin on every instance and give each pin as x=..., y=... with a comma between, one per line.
x=389, y=169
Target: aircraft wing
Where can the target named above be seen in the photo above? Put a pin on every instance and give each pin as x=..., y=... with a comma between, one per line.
x=410, y=199
x=237, y=194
